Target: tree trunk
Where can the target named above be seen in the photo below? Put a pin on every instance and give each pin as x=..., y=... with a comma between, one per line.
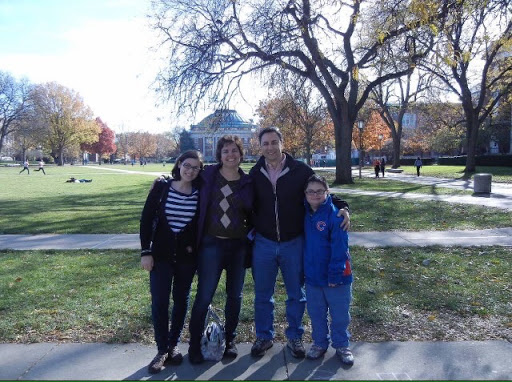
x=343, y=145
x=61, y=157
x=396, y=151
x=472, y=136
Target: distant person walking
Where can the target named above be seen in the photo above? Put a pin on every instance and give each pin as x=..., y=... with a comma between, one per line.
x=418, y=163
x=25, y=167
x=376, y=167
x=382, y=166
x=41, y=167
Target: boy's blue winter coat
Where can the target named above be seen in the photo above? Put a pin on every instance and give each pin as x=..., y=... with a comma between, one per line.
x=326, y=254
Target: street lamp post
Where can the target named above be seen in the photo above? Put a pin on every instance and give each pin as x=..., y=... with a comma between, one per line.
x=380, y=145
x=360, y=126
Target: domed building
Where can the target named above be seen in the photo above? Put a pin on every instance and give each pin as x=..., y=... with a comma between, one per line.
x=207, y=133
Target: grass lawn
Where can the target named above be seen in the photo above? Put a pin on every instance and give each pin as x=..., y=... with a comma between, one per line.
x=499, y=174
x=103, y=296
x=113, y=201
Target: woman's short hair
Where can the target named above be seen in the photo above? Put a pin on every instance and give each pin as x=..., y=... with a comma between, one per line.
x=194, y=154
x=316, y=179
x=226, y=140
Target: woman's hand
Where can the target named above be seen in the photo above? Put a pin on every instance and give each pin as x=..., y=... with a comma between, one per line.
x=147, y=262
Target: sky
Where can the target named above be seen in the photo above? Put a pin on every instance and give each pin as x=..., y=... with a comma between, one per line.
x=102, y=49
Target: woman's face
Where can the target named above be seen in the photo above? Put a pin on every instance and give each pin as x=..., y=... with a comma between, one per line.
x=189, y=169
x=230, y=155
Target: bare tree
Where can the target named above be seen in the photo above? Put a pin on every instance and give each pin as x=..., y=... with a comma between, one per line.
x=214, y=44
x=474, y=61
x=14, y=101
x=393, y=106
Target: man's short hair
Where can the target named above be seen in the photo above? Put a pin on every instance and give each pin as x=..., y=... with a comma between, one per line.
x=271, y=129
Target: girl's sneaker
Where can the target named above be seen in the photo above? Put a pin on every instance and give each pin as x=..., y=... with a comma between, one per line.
x=345, y=355
x=315, y=352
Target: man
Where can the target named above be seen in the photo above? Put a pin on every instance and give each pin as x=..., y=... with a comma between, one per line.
x=279, y=182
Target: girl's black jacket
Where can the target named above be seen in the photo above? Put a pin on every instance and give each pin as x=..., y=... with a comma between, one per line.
x=179, y=247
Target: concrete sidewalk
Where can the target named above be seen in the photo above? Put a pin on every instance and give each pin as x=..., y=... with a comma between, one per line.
x=467, y=360
x=496, y=236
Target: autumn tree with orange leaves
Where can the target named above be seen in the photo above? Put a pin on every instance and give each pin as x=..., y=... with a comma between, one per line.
x=302, y=119
x=373, y=127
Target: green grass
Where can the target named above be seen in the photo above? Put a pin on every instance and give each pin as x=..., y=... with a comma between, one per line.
x=103, y=296
x=112, y=203
x=371, y=213
x=499, y=174
x=36, y=203
x=389, y=185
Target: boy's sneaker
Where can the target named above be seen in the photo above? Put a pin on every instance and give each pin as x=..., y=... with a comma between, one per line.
x=345, y=355
x=174, y=356
x=260, y=347
x=157, y=364
x=297, y=348
x=231, y=350
x=315, y=352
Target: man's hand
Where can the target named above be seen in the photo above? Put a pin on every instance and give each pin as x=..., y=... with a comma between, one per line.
x=159, y=179
x=147, y=262
x=345, y=224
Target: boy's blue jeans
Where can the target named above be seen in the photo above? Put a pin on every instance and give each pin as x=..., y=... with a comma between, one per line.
x=336, y=301
x=267, y=258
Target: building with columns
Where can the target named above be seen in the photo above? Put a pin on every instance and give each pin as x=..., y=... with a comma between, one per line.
x=207, y=133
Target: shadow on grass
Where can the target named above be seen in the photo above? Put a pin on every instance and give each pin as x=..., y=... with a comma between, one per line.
x=105, y=212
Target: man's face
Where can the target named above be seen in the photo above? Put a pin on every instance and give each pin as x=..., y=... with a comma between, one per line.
x=271, y=147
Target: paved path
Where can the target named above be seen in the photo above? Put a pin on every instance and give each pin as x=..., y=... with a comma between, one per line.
x=496, y=236
x=467, y=360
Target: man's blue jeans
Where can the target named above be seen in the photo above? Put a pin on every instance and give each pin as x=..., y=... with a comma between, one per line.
x=267, y=258
x=215, y=255
x=164, y=275
x=336, y=302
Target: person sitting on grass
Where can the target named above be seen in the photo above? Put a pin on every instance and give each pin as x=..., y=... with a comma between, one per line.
x=327, y=271
x=73, y=180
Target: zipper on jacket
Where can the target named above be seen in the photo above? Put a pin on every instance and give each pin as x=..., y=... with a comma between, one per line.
x=276, y=211
x=276, y=204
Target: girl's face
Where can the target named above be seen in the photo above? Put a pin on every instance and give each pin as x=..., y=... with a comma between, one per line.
x=316, y=194
x=230, y=155
x=189, y=169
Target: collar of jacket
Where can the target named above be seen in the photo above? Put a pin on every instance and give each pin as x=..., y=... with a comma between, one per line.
x=290, y=162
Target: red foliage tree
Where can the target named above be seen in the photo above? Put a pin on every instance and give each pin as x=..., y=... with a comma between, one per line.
x=105, y=145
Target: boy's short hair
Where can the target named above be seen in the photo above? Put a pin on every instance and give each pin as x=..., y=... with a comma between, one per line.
x=316, y=179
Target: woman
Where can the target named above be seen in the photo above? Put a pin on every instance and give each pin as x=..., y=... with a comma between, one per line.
x=169, y=252
x=226, y=203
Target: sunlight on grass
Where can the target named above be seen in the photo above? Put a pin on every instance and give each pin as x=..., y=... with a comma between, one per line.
x=103, y=296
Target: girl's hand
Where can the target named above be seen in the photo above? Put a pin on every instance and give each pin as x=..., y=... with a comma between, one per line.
x=147, y=262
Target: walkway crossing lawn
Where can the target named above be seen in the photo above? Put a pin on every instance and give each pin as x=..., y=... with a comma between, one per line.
x=113, y=201
x=501, y=174
x=399, y=294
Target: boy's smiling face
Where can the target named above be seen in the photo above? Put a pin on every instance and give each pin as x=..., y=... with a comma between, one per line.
x=316, y=194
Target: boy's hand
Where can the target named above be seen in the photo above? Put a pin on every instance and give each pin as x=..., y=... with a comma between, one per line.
x=345, y=224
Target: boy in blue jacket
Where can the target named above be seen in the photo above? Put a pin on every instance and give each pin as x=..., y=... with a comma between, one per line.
x=327, y=271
